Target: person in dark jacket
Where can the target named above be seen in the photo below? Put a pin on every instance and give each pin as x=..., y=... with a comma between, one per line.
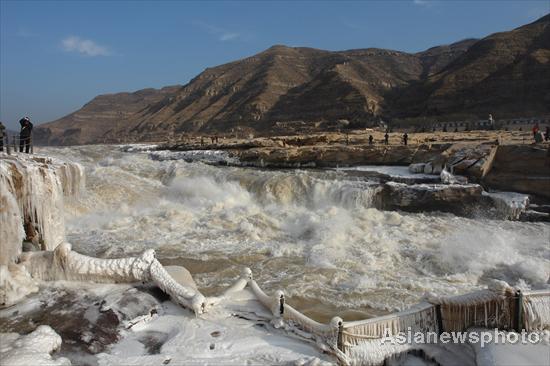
x=386, y=138
x=405, y=138
x=25, y=134
x=2, y=136
x=371, y=139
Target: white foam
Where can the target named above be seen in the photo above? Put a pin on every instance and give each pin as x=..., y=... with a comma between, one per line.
x=313, y=233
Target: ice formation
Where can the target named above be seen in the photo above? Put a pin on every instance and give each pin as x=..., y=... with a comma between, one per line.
x=32, y=190
x=206, y=156
x=509, y=205
x=15, y=284
x=65, y=264
x=32, y=349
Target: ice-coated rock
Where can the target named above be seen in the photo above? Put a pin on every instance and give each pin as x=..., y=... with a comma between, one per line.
x=15, y=284
x=31, y=193
x=31, y=349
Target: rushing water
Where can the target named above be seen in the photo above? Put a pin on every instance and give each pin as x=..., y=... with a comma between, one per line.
x=311, y=233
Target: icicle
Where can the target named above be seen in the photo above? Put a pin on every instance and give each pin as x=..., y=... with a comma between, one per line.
x=536, y=306
x=38, y=186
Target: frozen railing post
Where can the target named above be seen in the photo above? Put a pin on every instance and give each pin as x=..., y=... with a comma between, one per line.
x=519, y=311
x=6, y=141
x=340, y=329
x=535, y=305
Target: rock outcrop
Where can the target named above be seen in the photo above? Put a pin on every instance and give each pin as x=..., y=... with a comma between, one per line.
x=456, y=198
x=521, y=168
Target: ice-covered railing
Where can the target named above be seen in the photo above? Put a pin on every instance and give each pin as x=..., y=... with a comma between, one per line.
x=499, y=306
x=536, y=309
x=65, y=264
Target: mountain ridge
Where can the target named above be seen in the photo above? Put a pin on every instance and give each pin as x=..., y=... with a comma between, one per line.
x=503, y=73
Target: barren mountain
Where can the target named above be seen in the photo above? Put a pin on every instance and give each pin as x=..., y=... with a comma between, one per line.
x=96, y=119
x=505, y=73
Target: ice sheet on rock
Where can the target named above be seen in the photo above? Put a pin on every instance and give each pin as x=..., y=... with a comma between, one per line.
x=392, y=171
x=37, y=186
x=138, y=148
x=15, y=284
x=504, y=353
x=205, y=156
x=32, y=349
x=11, y=227
x=217, y=337
x=509, y=204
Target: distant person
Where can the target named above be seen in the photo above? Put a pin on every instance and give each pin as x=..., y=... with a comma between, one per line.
x=456, y=129
x=535, y=130
x=386, y=139
x=371, y=139
x=25, y=134
x=538, y=137
x=547, y=134
x=405, y=138
x=2, y=136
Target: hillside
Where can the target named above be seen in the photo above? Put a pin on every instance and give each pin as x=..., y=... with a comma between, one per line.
x=507, y=74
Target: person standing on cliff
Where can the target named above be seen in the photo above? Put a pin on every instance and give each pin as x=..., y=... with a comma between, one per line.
x=405, y=138
x=386, y=138
x=2, y=136
x=25, y=134
x=370, y=139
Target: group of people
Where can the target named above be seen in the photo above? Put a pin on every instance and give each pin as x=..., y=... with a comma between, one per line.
x=25, y=135
x=214, y=139
x=404, y=139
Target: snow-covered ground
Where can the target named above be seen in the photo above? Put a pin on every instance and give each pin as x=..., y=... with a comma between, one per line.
x=122, y=325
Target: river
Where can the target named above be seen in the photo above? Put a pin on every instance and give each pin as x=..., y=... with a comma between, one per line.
x=312, y=233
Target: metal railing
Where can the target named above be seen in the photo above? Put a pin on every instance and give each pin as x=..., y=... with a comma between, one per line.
x=17, y=144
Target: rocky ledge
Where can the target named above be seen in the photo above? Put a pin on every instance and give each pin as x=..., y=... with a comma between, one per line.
x=496, y=160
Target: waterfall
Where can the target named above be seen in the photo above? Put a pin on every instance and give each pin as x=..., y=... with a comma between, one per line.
x=31, y=194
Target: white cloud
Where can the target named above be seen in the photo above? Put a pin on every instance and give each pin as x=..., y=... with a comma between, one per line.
x=422, y=2
x=220, y=33
x=85, y=47
x=229, y=36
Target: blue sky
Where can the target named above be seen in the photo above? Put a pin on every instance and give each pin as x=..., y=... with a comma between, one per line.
x=56, y=56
